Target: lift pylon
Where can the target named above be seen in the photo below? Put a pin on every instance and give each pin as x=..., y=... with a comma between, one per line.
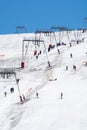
x=34, y=41
x=47, y=33
x=61, y=31
x=5, y=73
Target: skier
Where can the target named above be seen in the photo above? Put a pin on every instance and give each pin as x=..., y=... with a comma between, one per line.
x=49, y=64
x=61, y=96
x=35, y=52
x=11, y=90
x=70, y=44
x=74, y=67
x=36, y=56
x=86, y=53
x=21, y=100
x=23, y=97
x=66, y=67
x=5, y=93
x=58, y=51
x=48, y=49
x=40, y=52
x=86, y=64
x=71, y=55
x=37, y=94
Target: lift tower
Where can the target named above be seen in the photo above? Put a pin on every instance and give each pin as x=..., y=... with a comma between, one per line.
x=35, y=41
x=61, y=31
x=5, y=73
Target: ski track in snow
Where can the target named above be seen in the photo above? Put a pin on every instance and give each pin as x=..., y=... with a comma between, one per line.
x=14, y=112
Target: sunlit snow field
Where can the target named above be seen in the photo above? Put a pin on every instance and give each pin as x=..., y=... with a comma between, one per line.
x=48, y=111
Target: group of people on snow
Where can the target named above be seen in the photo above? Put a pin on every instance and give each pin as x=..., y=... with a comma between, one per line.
x=73, y=66
x=11, y=91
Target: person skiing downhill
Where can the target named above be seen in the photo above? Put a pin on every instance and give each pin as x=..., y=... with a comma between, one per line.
x=71, y=55
x=37, y=94
x=61, y=96
x=5, y=93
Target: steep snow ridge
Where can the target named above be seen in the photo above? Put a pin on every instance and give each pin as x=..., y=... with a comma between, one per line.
x=48, y=111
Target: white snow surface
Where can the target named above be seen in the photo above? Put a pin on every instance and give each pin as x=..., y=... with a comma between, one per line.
x=48, y=111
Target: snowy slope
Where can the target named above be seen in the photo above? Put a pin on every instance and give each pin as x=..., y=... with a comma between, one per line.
x=48, y=111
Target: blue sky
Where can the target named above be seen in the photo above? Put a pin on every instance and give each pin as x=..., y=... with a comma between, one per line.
x=41, y=14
